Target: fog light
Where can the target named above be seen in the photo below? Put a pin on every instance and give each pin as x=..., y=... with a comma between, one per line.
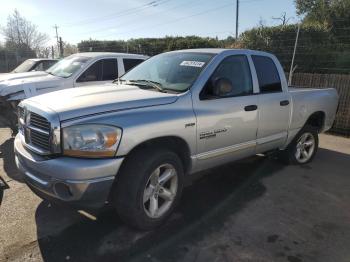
x=63, y=191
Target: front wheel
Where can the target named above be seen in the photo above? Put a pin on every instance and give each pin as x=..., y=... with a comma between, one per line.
x=148, y=188
x=303, y=148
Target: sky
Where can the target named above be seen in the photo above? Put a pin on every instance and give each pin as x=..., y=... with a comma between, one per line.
x=120, y=19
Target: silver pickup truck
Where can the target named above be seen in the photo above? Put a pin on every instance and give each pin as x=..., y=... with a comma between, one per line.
x=133, y=142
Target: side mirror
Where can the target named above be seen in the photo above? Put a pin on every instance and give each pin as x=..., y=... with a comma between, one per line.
x=222, y=87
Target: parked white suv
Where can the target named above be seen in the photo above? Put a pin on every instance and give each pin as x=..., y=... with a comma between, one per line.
x=80, y=69
x=31, y=65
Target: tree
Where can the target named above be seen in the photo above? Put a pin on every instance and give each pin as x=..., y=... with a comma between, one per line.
x=20, y=34
x=330, y=13
x=315, y=11
x=283, y=18
x=69, y=49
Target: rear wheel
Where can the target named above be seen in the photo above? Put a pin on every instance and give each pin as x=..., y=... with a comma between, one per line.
x=148, y=188
x=303, y=148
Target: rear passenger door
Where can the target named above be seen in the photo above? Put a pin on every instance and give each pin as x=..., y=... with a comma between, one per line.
x=102, y=71
x=273, y=103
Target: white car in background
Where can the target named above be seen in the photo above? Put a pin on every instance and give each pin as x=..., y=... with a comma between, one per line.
x=35, y=64
x=81, y=69
x=32, y=66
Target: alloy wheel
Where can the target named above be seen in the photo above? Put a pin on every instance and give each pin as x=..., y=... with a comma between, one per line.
x=160, y=191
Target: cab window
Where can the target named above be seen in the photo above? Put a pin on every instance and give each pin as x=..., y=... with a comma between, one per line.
x=93, y=73
x=131, y=63
x=234, y=76
x=103, y=70
x=267, y=73
x=110, y=69
x=38, y=67
x=48, y=63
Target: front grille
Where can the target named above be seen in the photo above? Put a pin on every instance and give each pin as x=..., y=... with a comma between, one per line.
x=36, y=131
x=39, y=122
x=40, y=140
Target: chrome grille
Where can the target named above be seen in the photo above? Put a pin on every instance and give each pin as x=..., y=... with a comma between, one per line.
x=39, y=140
x=38, y=121
x=35, y=130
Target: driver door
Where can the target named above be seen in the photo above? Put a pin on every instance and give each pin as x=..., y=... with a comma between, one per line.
x=227, y=125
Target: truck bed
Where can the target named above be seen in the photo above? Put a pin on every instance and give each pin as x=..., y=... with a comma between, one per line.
x=309, y=100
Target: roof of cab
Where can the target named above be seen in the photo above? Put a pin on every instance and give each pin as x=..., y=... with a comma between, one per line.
x=221, y=50
x=108, y=54
x=43, y=59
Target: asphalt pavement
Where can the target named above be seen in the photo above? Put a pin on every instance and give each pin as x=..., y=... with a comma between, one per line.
x=253, y=210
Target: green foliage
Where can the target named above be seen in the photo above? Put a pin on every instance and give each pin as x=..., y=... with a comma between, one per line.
x=314, y=53
x=333, y=14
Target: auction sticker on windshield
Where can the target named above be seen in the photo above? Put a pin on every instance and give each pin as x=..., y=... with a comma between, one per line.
x=192, y=63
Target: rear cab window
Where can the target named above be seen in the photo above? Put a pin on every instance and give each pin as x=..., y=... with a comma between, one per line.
x=110, y=69
x=267, y=73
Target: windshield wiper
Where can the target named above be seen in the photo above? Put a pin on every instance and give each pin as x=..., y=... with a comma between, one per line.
x=150, y=83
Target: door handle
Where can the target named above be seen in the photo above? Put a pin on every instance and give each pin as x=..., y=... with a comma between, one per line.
x=251, y=108
x=284, y=103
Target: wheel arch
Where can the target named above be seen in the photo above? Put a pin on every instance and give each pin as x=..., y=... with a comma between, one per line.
x=316, y=120
x=173, y=143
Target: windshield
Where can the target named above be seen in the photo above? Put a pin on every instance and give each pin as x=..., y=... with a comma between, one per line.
x=26, y=66
x=68, y=66
x=172, y=71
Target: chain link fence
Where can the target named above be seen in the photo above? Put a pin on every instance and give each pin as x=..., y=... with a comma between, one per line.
x=10, y=59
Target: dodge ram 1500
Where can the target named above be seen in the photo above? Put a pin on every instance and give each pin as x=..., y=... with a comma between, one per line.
x=133, y=142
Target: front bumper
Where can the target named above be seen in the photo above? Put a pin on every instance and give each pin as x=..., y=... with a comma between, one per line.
x=83, y=183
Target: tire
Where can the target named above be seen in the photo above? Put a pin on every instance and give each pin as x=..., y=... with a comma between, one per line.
x=137, y=186
x=9, y=113
x=303, y=148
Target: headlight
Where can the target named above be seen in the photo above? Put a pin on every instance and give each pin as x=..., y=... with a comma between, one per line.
x=93, y=141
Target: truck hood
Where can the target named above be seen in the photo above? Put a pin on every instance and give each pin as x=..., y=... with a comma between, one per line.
x=29, y=85
x=13, y=76
x=83, y=101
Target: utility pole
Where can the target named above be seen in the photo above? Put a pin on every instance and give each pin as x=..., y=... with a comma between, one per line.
x=61, y=47
x=58, y=41
x=292, y=68
x=52, y=52
x=237, y=16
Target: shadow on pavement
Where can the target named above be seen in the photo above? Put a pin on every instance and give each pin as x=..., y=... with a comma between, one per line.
x=3, y=186
x=8, y=156
x=8, y=119
x=204, y=207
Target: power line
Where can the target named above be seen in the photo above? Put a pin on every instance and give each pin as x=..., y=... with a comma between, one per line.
x=195, y=2
x=118, y=14
x=176, y=20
